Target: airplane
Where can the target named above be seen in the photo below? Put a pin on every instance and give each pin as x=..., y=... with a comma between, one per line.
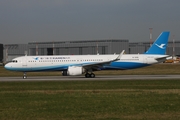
x=86, y=64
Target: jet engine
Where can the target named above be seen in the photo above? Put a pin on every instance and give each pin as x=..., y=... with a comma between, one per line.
x=75, y=70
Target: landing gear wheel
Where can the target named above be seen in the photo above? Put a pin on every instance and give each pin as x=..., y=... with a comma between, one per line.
x=92, y=75
x=87, y=75
x=64, y=73
x=25, y=75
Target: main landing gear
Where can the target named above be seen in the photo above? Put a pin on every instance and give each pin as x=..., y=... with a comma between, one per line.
x=64, y=73
x=90, y=75
x=24, y=75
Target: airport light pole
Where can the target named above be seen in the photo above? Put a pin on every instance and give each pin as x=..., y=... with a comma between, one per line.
x=53, y=49
x=173, y=47
x=150, y=29
x=36, y=49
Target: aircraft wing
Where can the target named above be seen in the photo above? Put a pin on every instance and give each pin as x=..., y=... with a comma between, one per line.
x=100, y=64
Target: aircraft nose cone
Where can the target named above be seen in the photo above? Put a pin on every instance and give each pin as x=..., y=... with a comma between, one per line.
x=7, y=66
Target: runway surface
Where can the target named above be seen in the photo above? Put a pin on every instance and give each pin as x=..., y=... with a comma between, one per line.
x=101, y=77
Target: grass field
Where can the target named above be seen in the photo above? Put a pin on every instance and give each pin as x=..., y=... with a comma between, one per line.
x=159, y=69
x=90, y=100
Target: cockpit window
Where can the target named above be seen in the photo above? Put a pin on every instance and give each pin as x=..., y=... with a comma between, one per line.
x=14, y=61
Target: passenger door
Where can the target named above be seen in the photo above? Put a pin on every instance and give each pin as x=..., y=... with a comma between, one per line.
x=24, y=62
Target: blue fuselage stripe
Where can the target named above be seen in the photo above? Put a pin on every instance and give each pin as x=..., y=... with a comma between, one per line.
x=112, y=66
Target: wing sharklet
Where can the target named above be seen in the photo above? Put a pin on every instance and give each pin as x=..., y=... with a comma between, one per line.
x=120, y=55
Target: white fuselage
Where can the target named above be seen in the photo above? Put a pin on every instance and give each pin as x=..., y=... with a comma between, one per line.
x=60, y=63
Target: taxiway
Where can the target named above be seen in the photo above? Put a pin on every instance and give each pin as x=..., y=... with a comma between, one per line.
x=101, y=77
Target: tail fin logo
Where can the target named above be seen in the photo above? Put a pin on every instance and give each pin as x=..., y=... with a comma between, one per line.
x=162, y=46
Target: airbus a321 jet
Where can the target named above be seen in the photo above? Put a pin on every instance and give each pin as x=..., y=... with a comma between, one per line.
x=86, y=64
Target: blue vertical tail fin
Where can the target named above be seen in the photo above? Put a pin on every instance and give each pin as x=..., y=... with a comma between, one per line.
x=160, y=45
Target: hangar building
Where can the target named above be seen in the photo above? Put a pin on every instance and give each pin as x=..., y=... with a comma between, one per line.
x=141, y=47
x=66, y=48
x=14, y=50
x=111, y=46
x=78, y=47
x=1, y=53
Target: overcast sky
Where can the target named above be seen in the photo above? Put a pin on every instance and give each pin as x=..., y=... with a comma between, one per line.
x=23, y=21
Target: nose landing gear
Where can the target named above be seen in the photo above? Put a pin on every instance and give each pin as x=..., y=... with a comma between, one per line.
x=24, y=75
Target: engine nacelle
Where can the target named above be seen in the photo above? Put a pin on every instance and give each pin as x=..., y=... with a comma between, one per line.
x=75, y=70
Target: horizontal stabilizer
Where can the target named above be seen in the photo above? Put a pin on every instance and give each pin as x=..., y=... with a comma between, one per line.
x=161, y=59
